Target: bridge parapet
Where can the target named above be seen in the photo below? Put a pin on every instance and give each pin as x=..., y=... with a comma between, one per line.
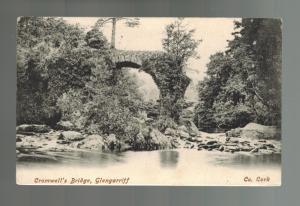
x=136, y=57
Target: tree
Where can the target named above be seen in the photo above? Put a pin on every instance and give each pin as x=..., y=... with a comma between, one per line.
x=44, y=43
x=179, y=42
x=95, y=39
x=130, y=22
x=243, y=83
x=170, y=76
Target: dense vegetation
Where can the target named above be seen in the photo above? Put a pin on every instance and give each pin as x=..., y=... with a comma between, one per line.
x=243, y=84
x=64, y=74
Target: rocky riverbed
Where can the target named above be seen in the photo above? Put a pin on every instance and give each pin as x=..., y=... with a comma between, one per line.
x=40, y=143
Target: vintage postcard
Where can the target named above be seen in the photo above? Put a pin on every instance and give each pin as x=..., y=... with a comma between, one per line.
x=148, y=101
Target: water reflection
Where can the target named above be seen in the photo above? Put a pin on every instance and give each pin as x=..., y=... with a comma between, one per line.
x=165, y=159
x=168, y=158
x=82, y=158
x=243, y=160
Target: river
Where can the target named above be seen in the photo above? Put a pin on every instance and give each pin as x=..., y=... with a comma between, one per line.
x=168, y=167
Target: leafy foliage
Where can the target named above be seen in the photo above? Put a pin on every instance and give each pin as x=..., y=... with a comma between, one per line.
x=170, y=75
x=179, y=41
x=243, y=84
x=41, y=44
x=63, y=73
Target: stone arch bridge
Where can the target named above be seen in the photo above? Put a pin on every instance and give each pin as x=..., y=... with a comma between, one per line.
x=137, y=59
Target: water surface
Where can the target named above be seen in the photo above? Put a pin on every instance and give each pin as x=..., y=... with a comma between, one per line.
x=171, y=167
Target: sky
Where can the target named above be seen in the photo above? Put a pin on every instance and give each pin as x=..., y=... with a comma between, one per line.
x=214, y=33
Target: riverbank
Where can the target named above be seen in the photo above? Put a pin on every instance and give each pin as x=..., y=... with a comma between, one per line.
x=45, y=144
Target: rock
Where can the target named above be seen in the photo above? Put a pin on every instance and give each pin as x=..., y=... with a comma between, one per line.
x=221, y=148
x=265, y=151
x=214, y=146
x=193, y=139
x=263, y=147
x=191, y=128
x=92, y=142
x=36, y=128
x=159, y=140
x=65, y=125
x=255, y=150
x=232, y=148
x=18, y=139
x=205, y=146
x=270, y=145
x=211, y=142
x=193, y=134
x=182, y=128
x=174, y=143
x=63, y=142
x=257, y=131
x=235, y=141
x=234, y=132
x=245, y=149
x=183, y=134
x=170, y=132
x=245, y=142
x=71, y=136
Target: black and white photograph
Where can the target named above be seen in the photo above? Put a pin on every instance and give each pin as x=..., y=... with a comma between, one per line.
x=148, y=101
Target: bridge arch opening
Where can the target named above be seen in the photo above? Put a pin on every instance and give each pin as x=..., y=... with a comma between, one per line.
x=146, y=85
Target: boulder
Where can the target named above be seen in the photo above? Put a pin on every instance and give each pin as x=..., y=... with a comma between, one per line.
x=71, y=136
x=193, y=134
x=170, y=132
x=183, y=134
x=65, y=125
x=182, y=128
x=32, y=128
x=255, y=131
x=159, y=140
x=192, y=128
x=174, y=143
x=92, y=142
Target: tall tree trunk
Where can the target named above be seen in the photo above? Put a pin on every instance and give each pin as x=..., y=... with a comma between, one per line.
x=113, y=34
